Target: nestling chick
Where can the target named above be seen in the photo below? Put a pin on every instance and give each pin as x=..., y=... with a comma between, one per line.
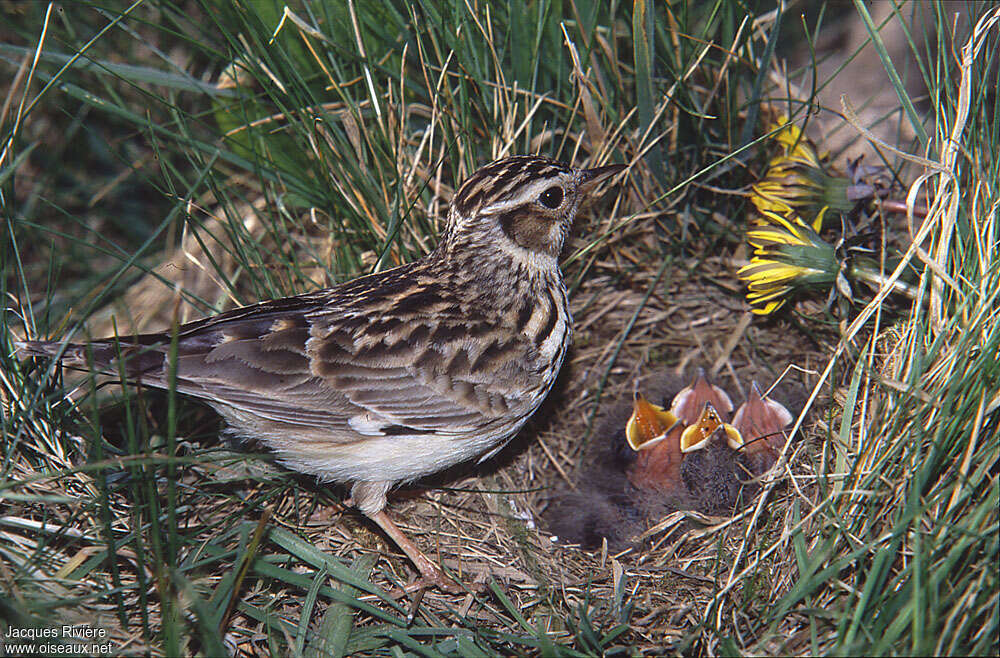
x=655, y=435
x=660, y=437
x=605, y=503
x=684, y=458
x=761, y=421
x=711, y=453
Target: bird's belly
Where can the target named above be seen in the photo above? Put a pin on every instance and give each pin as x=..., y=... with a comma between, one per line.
x=397, y=458
x=392, y=458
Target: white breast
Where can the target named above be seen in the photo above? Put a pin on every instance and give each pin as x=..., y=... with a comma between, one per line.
x=554, y=347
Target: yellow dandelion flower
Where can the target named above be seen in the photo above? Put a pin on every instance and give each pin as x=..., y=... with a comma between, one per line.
x=795, y=144
x=784, y=228
x=797, y=179
x=789, y=258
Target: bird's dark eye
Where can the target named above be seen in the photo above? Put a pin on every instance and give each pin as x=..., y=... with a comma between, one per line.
x=552, y=197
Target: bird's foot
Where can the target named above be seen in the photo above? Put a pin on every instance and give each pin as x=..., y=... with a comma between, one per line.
x=435, y=579
x=431, y=574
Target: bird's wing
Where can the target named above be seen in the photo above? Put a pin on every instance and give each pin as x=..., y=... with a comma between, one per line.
x=413, y=353
x=354, y=364
x=441, y=373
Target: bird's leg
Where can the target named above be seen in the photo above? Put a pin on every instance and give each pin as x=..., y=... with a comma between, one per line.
x=430, y=573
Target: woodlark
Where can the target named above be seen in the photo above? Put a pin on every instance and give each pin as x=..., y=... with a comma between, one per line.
x=399, y=374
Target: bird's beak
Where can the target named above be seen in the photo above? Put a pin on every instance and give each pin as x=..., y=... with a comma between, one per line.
x=648, y=424
x=696, y=437
x=690, y=400
x=762, y=418
x=591, y=178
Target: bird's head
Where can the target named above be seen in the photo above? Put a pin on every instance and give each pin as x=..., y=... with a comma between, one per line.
x=524, y=205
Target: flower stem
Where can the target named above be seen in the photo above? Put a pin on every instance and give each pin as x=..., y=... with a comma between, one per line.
x=878, y=279
x=894, y=205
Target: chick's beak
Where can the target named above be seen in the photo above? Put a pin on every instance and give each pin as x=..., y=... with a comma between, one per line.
x=697, y=436
x=690, y=400
x=760, y=415
x=762, y=420
x=591, y=178
x=647, y=423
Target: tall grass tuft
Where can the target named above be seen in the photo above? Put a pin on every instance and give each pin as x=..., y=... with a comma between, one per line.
x=896, y=553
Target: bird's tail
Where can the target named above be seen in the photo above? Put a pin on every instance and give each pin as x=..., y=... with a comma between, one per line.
x=99, y=356
x=69, y=354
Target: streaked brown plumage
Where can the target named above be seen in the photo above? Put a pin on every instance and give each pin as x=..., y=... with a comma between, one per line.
x=399, y=374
